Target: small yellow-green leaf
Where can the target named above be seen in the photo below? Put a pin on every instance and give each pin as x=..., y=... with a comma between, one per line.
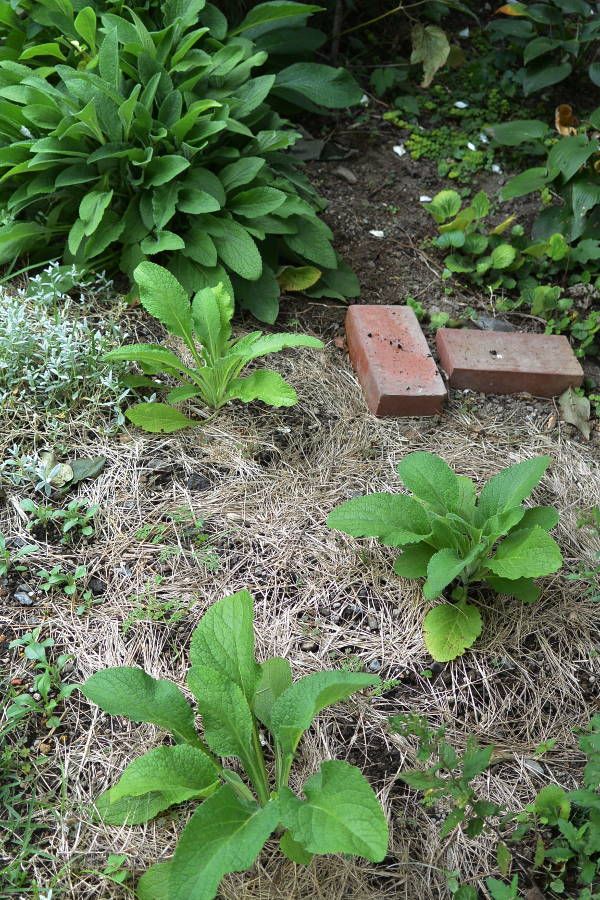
x=158, y=418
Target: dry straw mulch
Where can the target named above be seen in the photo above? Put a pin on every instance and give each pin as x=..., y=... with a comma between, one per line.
x=264, y=482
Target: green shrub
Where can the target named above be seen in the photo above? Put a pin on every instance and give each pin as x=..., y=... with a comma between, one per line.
x=217, y=359
x=571, y=172
x=159, y=140
x=236, y=696
x=455, y=540
x=557, y=38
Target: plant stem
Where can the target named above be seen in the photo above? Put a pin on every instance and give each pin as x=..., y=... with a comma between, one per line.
x=384, y=15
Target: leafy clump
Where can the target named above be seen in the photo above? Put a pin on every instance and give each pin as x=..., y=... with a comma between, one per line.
x=235, y=695
x=501, y=257
x=51, y=353
x=552, y=843
x=556, y=38
x=218, y=359
x=157, y=139
x=455, y=540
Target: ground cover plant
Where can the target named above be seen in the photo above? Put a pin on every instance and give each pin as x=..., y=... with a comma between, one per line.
x=456, y=540
x=502, y=258
x=156, y=139
x=559, y=829
x=235, y=695
x=217, y=359
x=51, y=350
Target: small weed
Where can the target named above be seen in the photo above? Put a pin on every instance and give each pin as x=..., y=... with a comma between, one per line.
x=48, y=690
x=74, y=522
x=57, y=580
x=149, y=608
x=12, y=560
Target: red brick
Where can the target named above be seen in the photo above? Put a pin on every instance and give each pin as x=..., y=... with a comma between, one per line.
x=393, y=362
x=508, y=362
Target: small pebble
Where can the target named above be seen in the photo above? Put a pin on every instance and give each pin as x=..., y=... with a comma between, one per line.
x=374, y=665
x=309, y=646
x=23, y=598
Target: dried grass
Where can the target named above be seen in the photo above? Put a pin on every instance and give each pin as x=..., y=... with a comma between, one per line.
x=272, y=479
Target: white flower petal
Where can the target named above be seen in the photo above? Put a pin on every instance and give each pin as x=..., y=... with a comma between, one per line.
x=377, y=234
x=460, y=104
x=424, y=198
x=399, y=150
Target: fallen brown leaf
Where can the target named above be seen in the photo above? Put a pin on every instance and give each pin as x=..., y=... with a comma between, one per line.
x=564, y=120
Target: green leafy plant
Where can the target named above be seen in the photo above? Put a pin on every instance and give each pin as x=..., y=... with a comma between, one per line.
x=218, y=359
x=56, y=579
x=456, y=540
x=501, y=257
x=487, y=256
x=450, y=775
x=160, y=141
x=560, y=829
x=449, y=131
x=48, y=690
x=75, y=521
x=590, y=577
x=235, y=695
x=11, y=558
x=558, y=38
x=571, y=172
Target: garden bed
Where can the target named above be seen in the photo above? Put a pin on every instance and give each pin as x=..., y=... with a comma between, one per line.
x=261, y=483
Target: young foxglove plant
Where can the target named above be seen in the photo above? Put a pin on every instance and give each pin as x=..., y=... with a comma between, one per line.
x=456, y=540
x=236, y=696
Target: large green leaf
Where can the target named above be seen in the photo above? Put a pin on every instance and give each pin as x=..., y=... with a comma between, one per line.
x=212, y=309
x=341, y=814
x=258, y=201
x=430, y=479
x=526, y=553
x=275, y=678
x=525, y=183
x=272, y=343
x=241, y=172
x=158, y=358
x=524, y=589
x=450, y=629
x=274, y=11
x=510, y=486
x=518, y=131
x=164, y=298
x=162, y=169
x=226, y=715
x=224, y=641
x=269, y=387
x=393, y=518
x=431, y=48
x=295, y=709
x=322, y=85
x=237, y=249
x=542, y=76
x=444, y=566
x=158, y=418
x=413, y=561
x=131, y=692
x=569, y=154
x=225, y=834
x=160, y=778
